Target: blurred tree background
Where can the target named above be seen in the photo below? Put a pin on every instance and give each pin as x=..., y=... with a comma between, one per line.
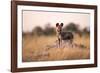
x=49, y=31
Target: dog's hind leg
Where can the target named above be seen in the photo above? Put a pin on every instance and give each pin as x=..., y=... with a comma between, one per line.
x=71, y=42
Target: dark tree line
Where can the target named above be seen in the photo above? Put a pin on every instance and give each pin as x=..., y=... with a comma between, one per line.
x=47, y=31
x=51, y=30
x=76, y=29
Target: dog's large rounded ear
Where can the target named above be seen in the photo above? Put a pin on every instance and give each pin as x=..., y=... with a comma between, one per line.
x=61, y=24
x=57, y=24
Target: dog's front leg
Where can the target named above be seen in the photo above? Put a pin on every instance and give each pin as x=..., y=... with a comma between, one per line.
x=59, y=42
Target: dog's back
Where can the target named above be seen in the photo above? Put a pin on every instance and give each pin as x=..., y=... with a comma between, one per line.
x=66, y=36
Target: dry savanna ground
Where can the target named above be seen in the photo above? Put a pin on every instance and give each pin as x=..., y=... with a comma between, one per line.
x=44, y=48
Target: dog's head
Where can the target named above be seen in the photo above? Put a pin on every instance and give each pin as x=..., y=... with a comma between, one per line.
x=59, y=27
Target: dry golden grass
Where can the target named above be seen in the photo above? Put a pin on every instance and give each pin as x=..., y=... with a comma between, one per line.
x=35, y=49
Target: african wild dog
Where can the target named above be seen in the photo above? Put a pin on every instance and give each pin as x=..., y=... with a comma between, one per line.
x=63, y=36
